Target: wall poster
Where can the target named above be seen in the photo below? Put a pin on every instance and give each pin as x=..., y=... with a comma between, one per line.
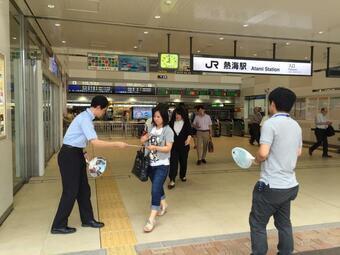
x=2, y=97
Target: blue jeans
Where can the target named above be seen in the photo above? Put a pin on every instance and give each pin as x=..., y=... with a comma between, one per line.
x=158, y=175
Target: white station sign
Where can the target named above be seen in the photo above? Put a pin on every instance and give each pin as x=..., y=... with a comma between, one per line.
x=250, y=66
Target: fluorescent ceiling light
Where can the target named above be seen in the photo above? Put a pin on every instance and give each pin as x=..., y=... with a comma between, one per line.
x=320, y=32
x=146, y=32
x=14, y=38
x=221, y=38
x=287, y=43
x=63, y=41
x=51, y=6
x=157, y=17
x=168, y=2
x=57, y=24
x=245, y=25
x=135, y=47
x=198, y=51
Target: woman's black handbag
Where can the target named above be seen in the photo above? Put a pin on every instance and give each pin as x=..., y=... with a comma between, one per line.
x=330, y=131
x=141, y=165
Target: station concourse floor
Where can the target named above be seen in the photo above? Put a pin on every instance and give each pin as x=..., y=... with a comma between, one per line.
x=208, y=214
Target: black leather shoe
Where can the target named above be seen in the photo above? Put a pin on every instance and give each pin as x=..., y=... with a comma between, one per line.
x=199, y=162
x=64, y=230
x=183, y=179
x=326, y=156
x=310, y=152
x=204, y=161
x=93, y=224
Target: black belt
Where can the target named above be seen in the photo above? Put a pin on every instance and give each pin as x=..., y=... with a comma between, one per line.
x=71, y=147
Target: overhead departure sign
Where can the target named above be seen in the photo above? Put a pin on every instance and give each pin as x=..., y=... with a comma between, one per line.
x=250, y=66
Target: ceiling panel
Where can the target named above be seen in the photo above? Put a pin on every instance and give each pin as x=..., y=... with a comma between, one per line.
x=302, y=20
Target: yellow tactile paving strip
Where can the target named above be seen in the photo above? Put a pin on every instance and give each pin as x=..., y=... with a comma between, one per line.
x=117, y=237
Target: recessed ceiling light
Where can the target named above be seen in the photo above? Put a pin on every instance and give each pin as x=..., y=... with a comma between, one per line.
x=63, y=41
x=245, y=25
x=221, y=38
x=168, y=2
x=157, y=17
x=57, y=24
x=320, y=32
x=287, y=43
x=198, y=51
x=14, y=38
x=146, y=32
x=135, y=47
x=51, y=6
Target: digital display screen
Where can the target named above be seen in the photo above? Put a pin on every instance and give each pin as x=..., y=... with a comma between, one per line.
x=169, y=60
x=135, y=90
x=141, y=113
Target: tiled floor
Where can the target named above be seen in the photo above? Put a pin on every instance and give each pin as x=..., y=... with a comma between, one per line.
x=215, y=201
x=307, y=240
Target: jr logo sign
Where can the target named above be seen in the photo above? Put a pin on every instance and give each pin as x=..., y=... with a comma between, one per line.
x=212, y=63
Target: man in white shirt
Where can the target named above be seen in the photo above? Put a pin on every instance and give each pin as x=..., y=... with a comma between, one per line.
x=202, y=123
x=321, y=125
x=280, y=146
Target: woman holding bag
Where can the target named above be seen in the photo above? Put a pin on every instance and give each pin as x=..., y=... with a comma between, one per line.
x=158, y=141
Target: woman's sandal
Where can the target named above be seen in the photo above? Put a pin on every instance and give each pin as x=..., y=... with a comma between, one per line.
x=149, y=226
x=162, y=211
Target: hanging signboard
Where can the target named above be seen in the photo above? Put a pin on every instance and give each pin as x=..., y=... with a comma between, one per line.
x=250, y=66
x=133, y=63
x=2, y=97
x=102, y=62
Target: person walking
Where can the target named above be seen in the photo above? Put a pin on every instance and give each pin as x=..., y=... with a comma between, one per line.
x=181, y=127
x=72, y=165
x=255, y=126
x=203, y=124
x=280, y=146
x=321, y=123
x=158, y=141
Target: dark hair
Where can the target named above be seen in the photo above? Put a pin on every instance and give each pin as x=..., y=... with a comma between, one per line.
x=99, y=101
x=283, y=99
x=198, y=107
x=181, y=111
x=323, y=109
x=163, y=111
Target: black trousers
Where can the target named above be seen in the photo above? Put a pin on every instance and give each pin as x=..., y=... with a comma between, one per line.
x=254, y=133
x=321, y=138
x=72, y=167
x=178, y=155
x=266, y=203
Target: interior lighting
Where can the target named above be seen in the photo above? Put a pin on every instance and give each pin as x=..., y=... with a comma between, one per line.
x=168, y=2
x=57, y=24
x=320, y=32
x=245, y=25
x=221, y=38
x=198, y=51
x=63, y=41
x=14, y=38
x=51, y=6
x=146, y=32
x=135, y=47
x=287, y=43
x=157, y=17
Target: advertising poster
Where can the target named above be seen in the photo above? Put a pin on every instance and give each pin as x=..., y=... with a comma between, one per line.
x=102, y=62
x=133, y=63
x=2, y=96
